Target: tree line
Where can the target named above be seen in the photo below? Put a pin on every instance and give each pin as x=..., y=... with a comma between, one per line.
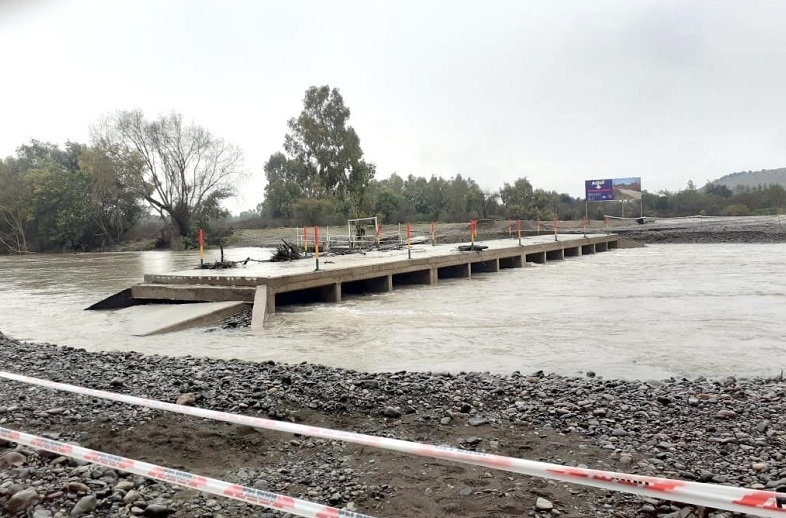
x=54, y=199
x=458, y=199
x=89, y=196
x=321, y=177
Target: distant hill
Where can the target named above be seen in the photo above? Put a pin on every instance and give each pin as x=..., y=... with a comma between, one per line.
x=753, y=178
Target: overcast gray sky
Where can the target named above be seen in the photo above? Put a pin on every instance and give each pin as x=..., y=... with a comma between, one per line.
x=559, y=92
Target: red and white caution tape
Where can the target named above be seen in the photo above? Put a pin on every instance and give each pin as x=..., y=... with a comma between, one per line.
x=181, y=478
x=741, y=500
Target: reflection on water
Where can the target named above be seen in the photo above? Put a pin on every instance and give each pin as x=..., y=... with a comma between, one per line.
x=651, y=312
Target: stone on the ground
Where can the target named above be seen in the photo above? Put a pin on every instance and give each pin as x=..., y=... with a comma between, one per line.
x=543, y=505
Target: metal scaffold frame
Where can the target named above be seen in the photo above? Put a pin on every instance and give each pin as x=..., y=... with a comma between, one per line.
x=359, y=236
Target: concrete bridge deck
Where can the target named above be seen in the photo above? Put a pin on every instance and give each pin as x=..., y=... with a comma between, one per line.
x=271, y=285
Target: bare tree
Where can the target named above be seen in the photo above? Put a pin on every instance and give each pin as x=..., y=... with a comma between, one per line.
x=14, y=212
x=14, y=239
x=180, y=170
x=487, y=198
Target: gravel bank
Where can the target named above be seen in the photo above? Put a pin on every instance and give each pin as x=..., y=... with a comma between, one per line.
x=726, y=431
x=751, y=229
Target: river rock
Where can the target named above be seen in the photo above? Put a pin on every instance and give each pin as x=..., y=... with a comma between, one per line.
x=124, y=485
x=13, y=489
x=726, y=414
x=157, y=511
x=542, y=504
x=77, y=487
x=12, y=458
x=391, y=412
x=132, y=496
x=21, y=501
x=187, y=399
x=638, y=433
x=86, y=504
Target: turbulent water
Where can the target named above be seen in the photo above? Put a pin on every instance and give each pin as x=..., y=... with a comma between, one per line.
x=653, y=312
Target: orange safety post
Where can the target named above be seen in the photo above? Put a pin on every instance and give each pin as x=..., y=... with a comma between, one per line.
x=201, y=248
x=538, y=225
x=433, y=234
x=584, y=223
x=519, y=226
x=606, y=222
x=316, y=247
x=510, y=227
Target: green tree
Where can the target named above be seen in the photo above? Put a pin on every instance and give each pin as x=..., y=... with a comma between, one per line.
x=57, y=203
x=690, y=201
x=280, y=199
x=55, y=198
x=283, y=188
x=387, y=205
x=328, y=150
x=311, y=211
x=113, y=206
x=718, y=189
x=461, y=199
x=435, y=197
x=488, y=203
x=44, y=204
x=516, y=197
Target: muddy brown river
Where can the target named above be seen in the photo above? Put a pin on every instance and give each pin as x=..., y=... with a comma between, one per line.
x=654, y=312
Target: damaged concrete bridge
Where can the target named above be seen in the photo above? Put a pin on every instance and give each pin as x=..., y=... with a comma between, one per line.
x=268, y=286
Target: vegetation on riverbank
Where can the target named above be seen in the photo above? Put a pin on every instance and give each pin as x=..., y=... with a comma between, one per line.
x=94, y=196
x=144, y=184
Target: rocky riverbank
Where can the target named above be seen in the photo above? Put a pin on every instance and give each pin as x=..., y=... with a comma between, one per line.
x=750, y=229
x=727, y=431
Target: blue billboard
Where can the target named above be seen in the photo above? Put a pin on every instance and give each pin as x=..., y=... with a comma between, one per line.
x=599, y=190
x=618, y=189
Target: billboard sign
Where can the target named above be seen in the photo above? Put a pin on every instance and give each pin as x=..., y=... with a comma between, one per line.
x=599, y=190
x=627, y=188
x=616, y=189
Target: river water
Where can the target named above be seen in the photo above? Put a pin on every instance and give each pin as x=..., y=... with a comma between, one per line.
x=654, y=312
